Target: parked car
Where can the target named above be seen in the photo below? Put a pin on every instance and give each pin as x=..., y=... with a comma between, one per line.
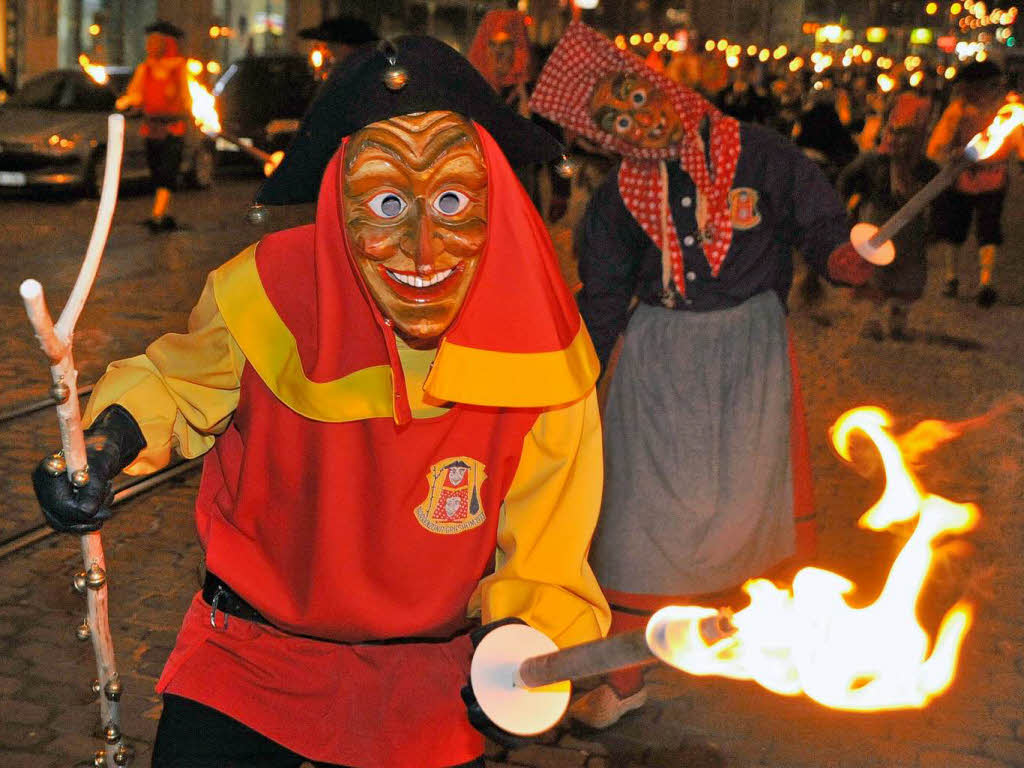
x=53, y=133
x=260, y=100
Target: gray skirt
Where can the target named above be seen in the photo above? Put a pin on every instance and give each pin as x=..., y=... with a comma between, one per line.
x=698, y=478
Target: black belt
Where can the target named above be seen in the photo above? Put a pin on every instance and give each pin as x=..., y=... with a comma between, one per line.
x=220, y=597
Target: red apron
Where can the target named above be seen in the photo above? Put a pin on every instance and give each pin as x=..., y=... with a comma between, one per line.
x=361, y=531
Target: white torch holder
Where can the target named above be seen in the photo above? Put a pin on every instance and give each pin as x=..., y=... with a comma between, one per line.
x=494, y=675
x=881, y=255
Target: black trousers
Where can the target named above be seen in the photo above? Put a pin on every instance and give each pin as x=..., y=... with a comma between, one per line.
x=163, y=156
x=952, y=212
x=192, y=735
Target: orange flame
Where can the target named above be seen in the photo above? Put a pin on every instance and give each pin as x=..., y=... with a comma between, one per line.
x=96, y=71
x=271, y=165
x=203, y=108
x=988, y=142
x=808, y=639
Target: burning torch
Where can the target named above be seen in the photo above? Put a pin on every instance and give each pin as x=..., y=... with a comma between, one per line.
x=874, y=244
x=805, y=639
x=205, y=113
x=521, y=679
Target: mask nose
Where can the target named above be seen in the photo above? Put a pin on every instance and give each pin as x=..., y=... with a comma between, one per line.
x=644, y=118
x=428, y=247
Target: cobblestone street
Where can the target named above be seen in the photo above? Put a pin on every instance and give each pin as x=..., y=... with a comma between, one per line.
x=962, y=362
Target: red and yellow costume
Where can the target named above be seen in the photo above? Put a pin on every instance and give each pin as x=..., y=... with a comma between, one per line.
x=371, y=500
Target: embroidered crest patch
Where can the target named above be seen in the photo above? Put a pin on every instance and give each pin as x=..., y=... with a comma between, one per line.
x=743, y=208
x=453, y=504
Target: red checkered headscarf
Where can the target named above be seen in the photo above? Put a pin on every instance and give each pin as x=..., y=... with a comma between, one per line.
x=563, y=93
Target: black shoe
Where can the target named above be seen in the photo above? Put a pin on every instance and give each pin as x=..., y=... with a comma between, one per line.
x=163, y=224
x=987, y=296
x=950, y=288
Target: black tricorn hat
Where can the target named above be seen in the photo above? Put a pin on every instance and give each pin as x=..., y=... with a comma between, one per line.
x=350, y=30
x=162, y=27
x=355, y=95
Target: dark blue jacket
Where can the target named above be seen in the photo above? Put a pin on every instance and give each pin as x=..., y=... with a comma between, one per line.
x=793, y=207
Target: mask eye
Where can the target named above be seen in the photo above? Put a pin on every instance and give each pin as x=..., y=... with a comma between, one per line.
x=451, y=202
x=638, y=97
x=387, y=205
x=623, y=123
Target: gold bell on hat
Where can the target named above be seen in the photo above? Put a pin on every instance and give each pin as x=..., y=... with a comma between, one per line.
x=566, y=167
x=258, y=215
x=395, y=77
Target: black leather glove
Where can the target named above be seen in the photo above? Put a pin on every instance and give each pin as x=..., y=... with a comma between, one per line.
x=477, y=718
x=111, y=444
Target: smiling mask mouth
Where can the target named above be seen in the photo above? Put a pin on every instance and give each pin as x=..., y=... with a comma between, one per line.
x=415, y=281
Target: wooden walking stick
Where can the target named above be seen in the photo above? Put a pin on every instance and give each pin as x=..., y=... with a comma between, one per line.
x=56, y=341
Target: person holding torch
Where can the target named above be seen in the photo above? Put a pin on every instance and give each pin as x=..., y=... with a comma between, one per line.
x=980, y=190
x=159, y=88
x=403, y=448
x=707, y=465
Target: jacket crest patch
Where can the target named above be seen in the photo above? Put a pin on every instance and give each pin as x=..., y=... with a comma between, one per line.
x=743, y=208
x=453, y=504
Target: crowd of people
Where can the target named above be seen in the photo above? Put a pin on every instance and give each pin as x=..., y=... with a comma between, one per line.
x=878, y=135
x=419, y=334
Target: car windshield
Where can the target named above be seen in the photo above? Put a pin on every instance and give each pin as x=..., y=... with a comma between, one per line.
x=64, y=91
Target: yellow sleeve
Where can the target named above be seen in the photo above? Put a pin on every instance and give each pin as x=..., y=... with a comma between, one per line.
x=941, y=141
x=132, y=96
x=541, y=571
x=182, y=391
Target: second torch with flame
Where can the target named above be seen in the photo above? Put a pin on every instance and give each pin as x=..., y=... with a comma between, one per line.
x=204, y=111
x=806, y=639
x=521, y=679
x=874, y=244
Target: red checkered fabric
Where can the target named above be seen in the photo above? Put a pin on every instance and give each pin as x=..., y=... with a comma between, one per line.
x=563, y=95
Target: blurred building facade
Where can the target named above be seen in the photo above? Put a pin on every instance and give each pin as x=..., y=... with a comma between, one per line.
x=39, y=35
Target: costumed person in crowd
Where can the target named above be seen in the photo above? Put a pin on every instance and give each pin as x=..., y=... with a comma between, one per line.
x=822, y=135
x=707, y=467
x=501, y=52
x=338, y=38
x=395, y=450
x=980, y=191
x=911, y=107
x=875, y=186
x=743, y=97
x=160, y=88
x=825, y=140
